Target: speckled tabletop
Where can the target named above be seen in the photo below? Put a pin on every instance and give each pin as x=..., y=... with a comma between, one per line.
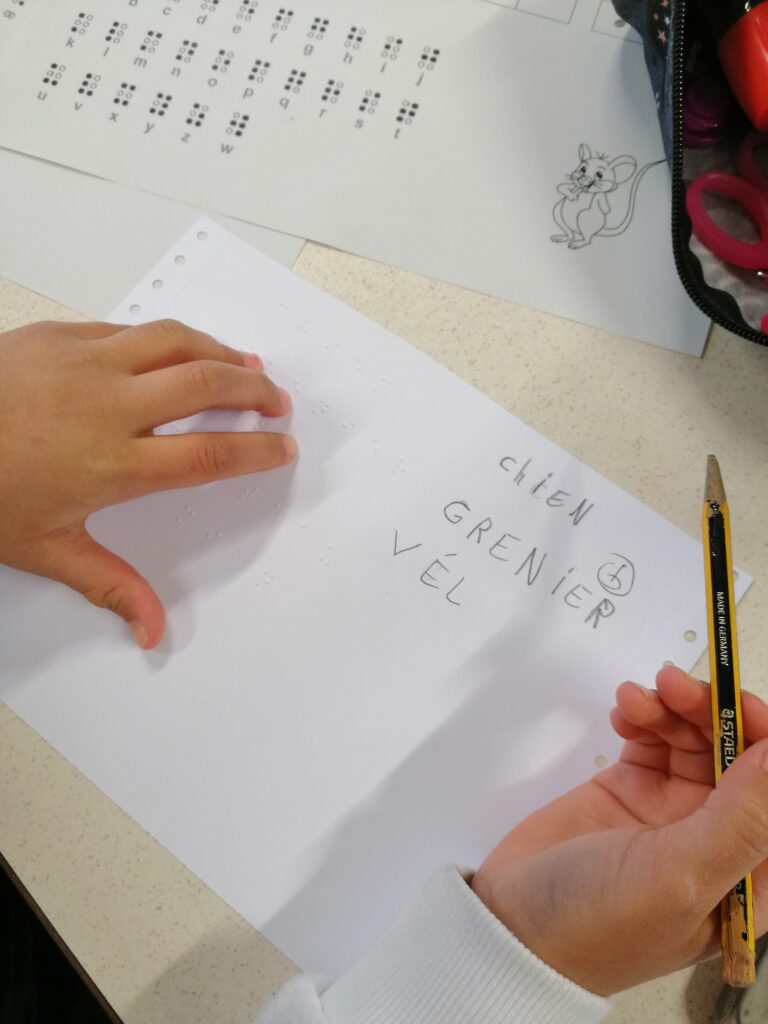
x=159, y=944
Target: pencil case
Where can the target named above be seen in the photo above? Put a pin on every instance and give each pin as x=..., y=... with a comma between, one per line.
x=714, y=151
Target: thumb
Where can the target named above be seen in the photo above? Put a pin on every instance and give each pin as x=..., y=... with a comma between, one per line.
x=107, y=581
x=727, y=837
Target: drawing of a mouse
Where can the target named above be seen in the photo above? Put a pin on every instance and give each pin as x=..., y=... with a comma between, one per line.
x=583, y=212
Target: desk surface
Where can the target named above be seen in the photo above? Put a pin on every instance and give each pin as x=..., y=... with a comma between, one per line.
x=157, y=942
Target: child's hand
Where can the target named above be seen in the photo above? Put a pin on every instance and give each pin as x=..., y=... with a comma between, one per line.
x=620, y=880
x=78, y=404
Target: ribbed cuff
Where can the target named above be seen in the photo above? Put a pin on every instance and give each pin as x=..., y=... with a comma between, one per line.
x=446, y=958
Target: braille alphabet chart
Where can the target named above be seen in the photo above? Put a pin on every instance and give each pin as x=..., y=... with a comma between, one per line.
x=510, y=147
x=109, y=232
x=415, y=631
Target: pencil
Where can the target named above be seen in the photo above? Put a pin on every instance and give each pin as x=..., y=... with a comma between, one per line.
x=738, y=931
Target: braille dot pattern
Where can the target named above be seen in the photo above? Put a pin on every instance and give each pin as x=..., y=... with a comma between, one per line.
x=197, y=114
x=407, y=112
x=295, y=80
x=116, y=32
x=124, y=94
x=160, y=104
x=187, y=50
x=88, y=84
x=222, y=61
x=238, y=124
x=259, y=70
x=369, y=102
x=151, y=41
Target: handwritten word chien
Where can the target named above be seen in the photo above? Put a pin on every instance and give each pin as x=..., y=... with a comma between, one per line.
x=558, y=497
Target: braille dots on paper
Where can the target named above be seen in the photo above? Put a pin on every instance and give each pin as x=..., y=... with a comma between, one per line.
x=81, y=24
x=318, y=28
x=283, y=19
x=295, y=81
x=160, y=104
x=407, y=112
x=222, y=61
x=370, y=102
x=355, y=38
x=89, y=84
x=259, y=71
x=124, y=94
x=429, y=58
x=54, y=74
x=238, y=124
x=332, y=91
x=115, y=33
x=392, y=47
x=247, y=10
x=197, y=114
x=151, y=41
x=186, y=51
x=189, y=513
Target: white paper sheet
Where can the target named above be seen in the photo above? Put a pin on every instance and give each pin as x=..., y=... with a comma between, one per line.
x=438, y=135
x=83, y=241
x=377, y=660
x=15, y=17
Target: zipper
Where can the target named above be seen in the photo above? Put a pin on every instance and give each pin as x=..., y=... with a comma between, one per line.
x=678, y=189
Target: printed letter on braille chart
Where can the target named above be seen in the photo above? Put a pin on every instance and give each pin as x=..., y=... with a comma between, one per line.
x=511, y=147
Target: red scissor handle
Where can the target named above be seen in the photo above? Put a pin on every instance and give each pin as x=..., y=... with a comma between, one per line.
x=750, y=255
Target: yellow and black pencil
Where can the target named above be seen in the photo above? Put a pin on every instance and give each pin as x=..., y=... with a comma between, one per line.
x=738, y=932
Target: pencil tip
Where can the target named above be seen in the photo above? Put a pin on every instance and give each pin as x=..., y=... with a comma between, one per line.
x=713, y=487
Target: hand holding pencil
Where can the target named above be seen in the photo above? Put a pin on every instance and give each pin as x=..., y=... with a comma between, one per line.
x=620, y=880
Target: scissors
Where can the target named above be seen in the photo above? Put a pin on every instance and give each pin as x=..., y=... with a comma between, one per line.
x=749, y=190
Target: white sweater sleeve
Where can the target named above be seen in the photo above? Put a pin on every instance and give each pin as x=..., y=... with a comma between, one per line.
x=445, y=960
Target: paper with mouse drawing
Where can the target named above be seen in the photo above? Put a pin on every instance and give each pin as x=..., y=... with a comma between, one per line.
x=508, y=146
